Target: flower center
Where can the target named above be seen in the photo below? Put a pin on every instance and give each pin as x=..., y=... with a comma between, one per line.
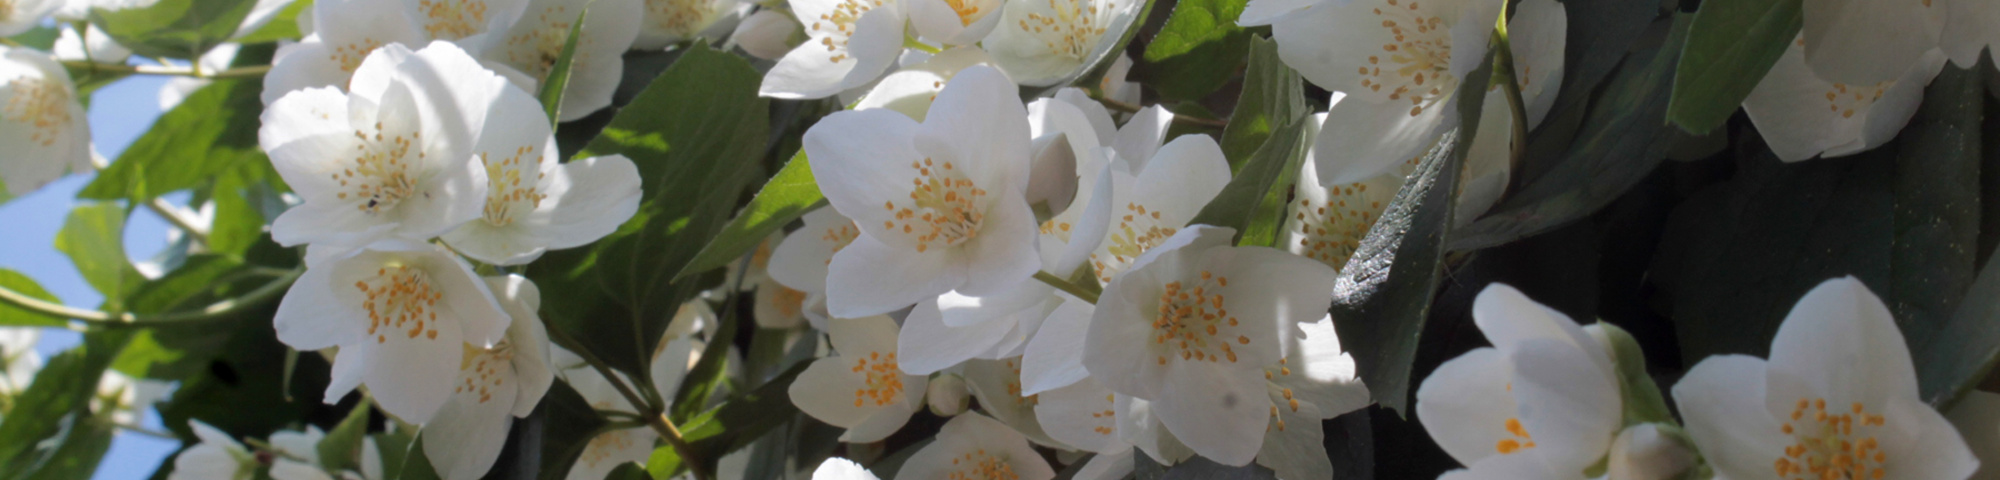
x=1107, y=420
x=400, y=299
x=1283, y=370
x=535, y=52
x=349, y=56
x=1331, y=230
x=1139, y=230
x=1072, y=31
x=504, y=193
x=789, y=302
x=944, y=208
x=1419, y=60
x=1845, y=99
x=382, y=173
x=40, y=104
x=979, y=465
x=840, y=237
x=681, y=18
x=479, y=372
x=1519, y=440
x=1193, y=321
x=967, y=11
x=1014, y=385
x=836, y=26
x=885, y=382
x=452, y=19
x=1827, y=446
x=601, y=447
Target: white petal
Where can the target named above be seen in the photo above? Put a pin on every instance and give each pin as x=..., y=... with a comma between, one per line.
x=603, y=194
x=1510, y=319
x=810, y=71
x=1361, y=140
x=928, y=345
x=1969, y=30
x=313, y=315
x=1465, y=404
x=466, y=436
x=1538, y=33
x=1181, y=178
x=985, y=440
x=1141, y=136
x=1722, y=401
x=1055, y=356
x=1318, y=372
x=980, y=113
x=1936, y=452
x=1283, y=290
x=1566, y=402
x=825, y=390
x=997, y=386
x=1266, y=12
x=1859, y=42
x=1294, y=444
x=1839, y=343
x=1003, y=256
x=1082, y=415
x=1219, y=412
x=841, y=469
x=800, y=260
x=411, y=377
x=609, y=450
x=861, y=161
x=869, y=278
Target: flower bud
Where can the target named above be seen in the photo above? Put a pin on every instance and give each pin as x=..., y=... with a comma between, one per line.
x=1646, y=452
x=766, y=34
x=947, y=395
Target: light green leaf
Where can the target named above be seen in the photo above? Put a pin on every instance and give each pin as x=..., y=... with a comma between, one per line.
x=16, y=317
x=787, y=196
x=56, y=406
x=1643, y=402
x=182, y=29
x=341, y=448
x=558, y=77
x=1729, y=48
x=1245, y=202
x=284, y=26
x=93, y=237
x=1197, y=51
x=210, y=133
x=1273, y=95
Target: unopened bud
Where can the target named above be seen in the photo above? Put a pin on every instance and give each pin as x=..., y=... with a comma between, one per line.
x=766, y=34
x=1646, y=452
x=947, y=395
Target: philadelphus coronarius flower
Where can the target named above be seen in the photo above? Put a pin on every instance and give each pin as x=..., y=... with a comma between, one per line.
x=860, y=387
x=954, y=22
x=18, y=359
x=973, y=446
x=668, y=21
x=1545, y=393
x=1190, y=327
x=1802, y=116
x=345, y=33
x=801, y=259
x=1047, y=42
x=401, y=313
x=40, y=120
x=1327, y=224
x=1837, y=399
x=848, y=44
x=532, y=45
x=670, y=363
x=939, y=203
x=911, y=90
x=766, y=34
x=20, y=15
x=1166, y=192
x=842, y=469
x=217, y=457
x=495, y=384
x=391, y=157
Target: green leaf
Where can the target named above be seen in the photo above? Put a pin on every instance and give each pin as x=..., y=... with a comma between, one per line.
x=1643, y=402
x=341, y=449
x=1934, y=287
x=1383, y=295
x=42, y=37
x=1242, y=203
x=210, y=133
x=241, y=388
x=741, y=420
x=787, y=196
x=178, y=352
x=568, y=424
x=246, y=198
x=697, y=135
x=1729, y=48
x=1196, y=468
x=1273, y=95
x=284, y=26
x=710, y=373
x=416, y=466
x=78, y=451
x=94, y=239
x=182, y=29
x=1197, y=51
x=628, y=471
x=558, y=77
x=56, y=405
x=16, y=317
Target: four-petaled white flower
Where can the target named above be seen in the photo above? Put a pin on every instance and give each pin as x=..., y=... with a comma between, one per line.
x=1546, y=389
x=668, y=21
x=532, y=45
x=40, y=120
x=391, y=157
x=1190, y=326
x=837, y=468
x=954, y=22
x=21, y=15
x=1315, y=381
x=860, y=388
x=401, y=313
x=495, y=384
x=1047, y=42
x=1837, y=399
x=848, y=44
x=973, y=446
x=939, y=204
x=1327, y=224
x=1158, y=200
x=217, y=457
x=1802, y=116
x=801, y=259
x=345, y=33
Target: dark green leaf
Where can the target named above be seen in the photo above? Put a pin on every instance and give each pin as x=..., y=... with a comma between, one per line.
x=1273, y=95
x=734, y=424
x=78, y=451
x=568, y=425
x=177, y=352
x=1242, y=203
x=394, y=445
x=241, y=388
x=1199, y=468
x=284, y=26
x=786, y=197
x=1932, y=264
x=210, y=133
x=558, y=77
x=94, y=238
x=416, y=466
x=182, y=29
x=628, y=471
x=1729, y=48
x=246, y=198
x=15, y=317
x=1383, y=295
x=55, y=405
x=1198, y=50
x=341, y=449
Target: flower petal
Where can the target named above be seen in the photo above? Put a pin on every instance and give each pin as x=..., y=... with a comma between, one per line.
x=1722, y=401
x=1219, y=412
x=869, y=278
x=1839, y=343
x=1055, y=355
x=1465, y=404
x=927, y=345
x=1361, y=140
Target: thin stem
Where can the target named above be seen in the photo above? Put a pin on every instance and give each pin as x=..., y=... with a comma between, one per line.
x=1130, y=108
x=912, y=43
x=1066, y=286
x=658, y=421
x=238, y=72
x=266, y=447
x=146, y=431
x=128, y=319
x=173, y=215
x=1503, y=76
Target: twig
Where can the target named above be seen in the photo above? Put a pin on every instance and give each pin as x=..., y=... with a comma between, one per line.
x=173, y=215
x=1130, y=108
x=128, y=319
x=238, y=72
x=658, y=421
x=1066, y=287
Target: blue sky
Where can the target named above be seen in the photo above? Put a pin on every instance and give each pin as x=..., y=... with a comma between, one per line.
x=119, y=113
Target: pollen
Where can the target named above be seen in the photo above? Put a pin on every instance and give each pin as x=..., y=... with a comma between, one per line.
x=41, y=105
x=400, y=301
x=383, y=170
x=506, y=196
x=1418, y=60
x=1192, y=322
x=884, y=384
x=683, y=18
x=1516, y=440
x=1137, y=231
x=837, y=25
x=1829, y=445
x=1073, y=28
x=452, y=19
x=980, y=465
x=945, y=208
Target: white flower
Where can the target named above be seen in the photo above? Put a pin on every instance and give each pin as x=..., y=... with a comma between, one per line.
x=848, y=44
x=860, y=388
x=22, y=15
x=1191, y=324
x=766, y=34
x=954, y=22
x=96, y=46
x=1168, y=190
x=494, y=385
x=958, y=222
x=837, y=468
x=1862, y=42
x=1643, y=452
x=1545, y=389
x=532, y=45
x=401, y=313
x=121, y=397
x=41, y=120
x=1977, y=416
x=997, y=386
x=18, y=359
x=1315, y=381
x=1970, y=28
x=1839, y=388
x=534, y=201
x=801, y=259
x=301, y=460
x=217, y=457
x=948, y=395
x=667, y=21
x=778, y=306
x=1047, y=42
x=1327, y=224
x=671, y=360
x=1802, y=116
x=392, y=157
x=345, y=33
x=911, y=90
x=973, y=446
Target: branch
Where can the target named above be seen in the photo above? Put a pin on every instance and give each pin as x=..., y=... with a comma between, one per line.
x=127, y=319
x=1066, y=287
x=238, y=72
x=173, y=215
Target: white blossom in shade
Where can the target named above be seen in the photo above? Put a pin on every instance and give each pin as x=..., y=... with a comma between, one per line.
x=973, y=446
x=1315, y=381
x=859, y=387
x=41, y=120
x=495, y=385
x=217, y=457
x=766, y=34
x=1082, y=415
x=848, y=44
x=1973, y=26
x=121, y=398
x=345, y=33
x=19, y=16
x=801, y=259
x=939, y=204
x=534, y=201
x=1977, y=417
x=667, y=21
x=1837, y=398
x=1054, y=357
x=96, y=46
x=1861, y=42
x=1802, y=116
x=1046, y=42
x=1190, y=326
x=1139, y=140
x=1545, y=389
x=954, y=22
x=532, y=45
x=392, y=157
x=1149, y=207
x=401, y=313
x=18, y=359
x=1327, y=224
x=1644, y=452
x=1398, y=61
x=997, y=386
x=911, y=89
x=1114, y=85
x=841, y=469
x=779, y=307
